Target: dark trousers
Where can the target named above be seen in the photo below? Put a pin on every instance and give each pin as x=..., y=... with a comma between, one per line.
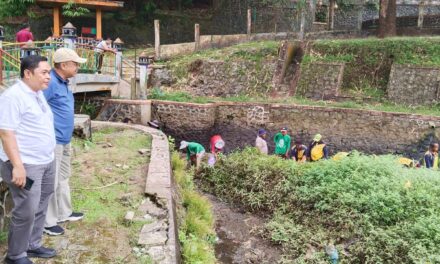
x=30, y=206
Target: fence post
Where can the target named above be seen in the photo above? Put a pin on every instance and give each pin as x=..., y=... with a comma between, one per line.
x=249, y=22
x=421, y=14
x=157, y=38
x=197, y=36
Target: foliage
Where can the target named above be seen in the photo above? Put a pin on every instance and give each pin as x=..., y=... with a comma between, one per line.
x=196, y=231
x=73, y=10
x=371, y=208
x=12, y=8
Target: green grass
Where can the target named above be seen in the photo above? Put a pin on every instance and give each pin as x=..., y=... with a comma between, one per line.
x=377, y=103
x=196, y=230
x=370, y=207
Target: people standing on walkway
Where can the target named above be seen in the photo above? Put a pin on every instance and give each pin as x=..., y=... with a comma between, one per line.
x=261, y=143
x=282, y=143
x=217, y=145
x=194, y=152
x=27, y=159
x=102, y=47
x=60, y=99
x=317, y=149
x=431, y=157
x=24, y=36
x=299, y=152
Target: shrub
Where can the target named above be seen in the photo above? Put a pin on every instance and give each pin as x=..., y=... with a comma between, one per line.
x=371, y=208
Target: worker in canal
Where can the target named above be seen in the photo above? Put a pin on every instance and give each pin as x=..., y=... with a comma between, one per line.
x=282, y=143
x=194, y=152
x=217, y=145
x=317, y=149
x=430, y=159
x=298, y=152
x=261, y=143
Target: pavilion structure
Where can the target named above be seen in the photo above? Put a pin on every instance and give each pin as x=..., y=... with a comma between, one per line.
x=98, y=6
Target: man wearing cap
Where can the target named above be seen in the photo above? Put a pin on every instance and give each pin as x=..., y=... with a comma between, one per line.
x=282, y=143
x=317, y=149
x=194, y=152
x=61, y=101
x=260, y=142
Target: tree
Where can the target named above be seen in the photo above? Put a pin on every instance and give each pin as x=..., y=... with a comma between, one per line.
x=387, y=18
x=12, y=8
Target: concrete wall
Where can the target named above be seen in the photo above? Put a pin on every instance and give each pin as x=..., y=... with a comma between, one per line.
x=343, y=129
x=126, y=111
x=321, y=80
x=414, y=85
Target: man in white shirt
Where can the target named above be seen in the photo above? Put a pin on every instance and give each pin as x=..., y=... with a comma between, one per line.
x=27, y=159
x=260, y=142
x=101, y=48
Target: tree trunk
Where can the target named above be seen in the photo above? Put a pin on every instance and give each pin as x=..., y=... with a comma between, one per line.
x=381, y=32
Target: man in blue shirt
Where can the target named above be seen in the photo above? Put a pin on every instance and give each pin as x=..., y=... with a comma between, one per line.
x=61, y=101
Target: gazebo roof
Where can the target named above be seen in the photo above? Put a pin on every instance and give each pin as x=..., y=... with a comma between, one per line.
x=91, y=4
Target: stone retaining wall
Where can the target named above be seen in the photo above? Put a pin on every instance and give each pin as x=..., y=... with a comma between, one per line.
x=321, y=80
x=344, y=129
x=126, y=111
x=414, y=85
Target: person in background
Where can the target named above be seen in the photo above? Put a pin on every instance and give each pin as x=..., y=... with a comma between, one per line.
x=102, y=47
x=431, y=157
x=61, y=101
x=216, y=144
x=260, y=142
x=299, y=151
x=317, y=149
x=27, y=159
x=194, y=152
x=24, y=35
x=282, y=143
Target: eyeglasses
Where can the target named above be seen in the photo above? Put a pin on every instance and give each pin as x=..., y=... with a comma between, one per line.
x=41, y=104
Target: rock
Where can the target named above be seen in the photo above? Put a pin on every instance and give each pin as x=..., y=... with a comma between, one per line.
x=125, y=167
x=78, y=248
x=153, y=239
x=144, y=151
x=107, y=145
x=118, y=165
x=148, y=217
x=82, y=126
x=129, y=216
x=156, y=253
x=152, y=209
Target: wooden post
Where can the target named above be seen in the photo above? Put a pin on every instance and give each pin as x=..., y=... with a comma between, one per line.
x=331, y=15
x=197, y=36
x=302, y=24
x=157, y=38
x=98, y=23
x=421, y=14
x=56, y=21
x=249, y=22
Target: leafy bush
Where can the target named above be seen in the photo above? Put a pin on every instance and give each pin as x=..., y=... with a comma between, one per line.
x=196, y=230
x=371, y=208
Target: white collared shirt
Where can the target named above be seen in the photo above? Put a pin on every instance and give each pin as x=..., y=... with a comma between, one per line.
x=27, y=113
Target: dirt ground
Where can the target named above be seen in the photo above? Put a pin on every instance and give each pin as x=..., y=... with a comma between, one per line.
x=238, y=240
x=108, y=179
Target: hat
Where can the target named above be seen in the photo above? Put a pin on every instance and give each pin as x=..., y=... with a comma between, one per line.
x=183, y=144
x=219, y=144
x=65, y=55
x=317, y=138
x=284, y=129
x=261, y=132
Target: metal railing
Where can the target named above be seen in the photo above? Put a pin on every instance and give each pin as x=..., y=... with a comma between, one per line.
x=11, y=53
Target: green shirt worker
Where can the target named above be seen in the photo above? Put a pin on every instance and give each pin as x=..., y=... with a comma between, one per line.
x=194, y=152
x=282, y=143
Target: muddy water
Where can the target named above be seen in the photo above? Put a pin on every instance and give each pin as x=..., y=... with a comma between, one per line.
x=238, y=240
